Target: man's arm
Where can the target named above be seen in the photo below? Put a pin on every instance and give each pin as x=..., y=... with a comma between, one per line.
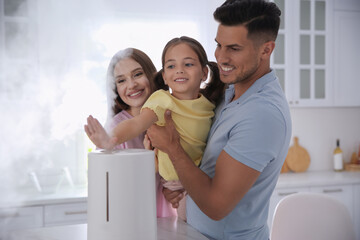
x=216, y=197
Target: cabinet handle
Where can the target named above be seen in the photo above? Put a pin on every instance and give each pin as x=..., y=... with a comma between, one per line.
x=285, y=193
x=332, y=190
x=9, y=215
x=75, y=212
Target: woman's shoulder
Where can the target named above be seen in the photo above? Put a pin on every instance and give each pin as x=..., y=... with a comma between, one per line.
x=121, y=116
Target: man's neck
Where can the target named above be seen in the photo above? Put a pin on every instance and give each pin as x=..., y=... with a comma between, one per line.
x=242, y=87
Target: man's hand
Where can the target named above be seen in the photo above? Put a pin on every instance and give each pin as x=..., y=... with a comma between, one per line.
x=98, y=135
x=164, y=138
x=173, y=197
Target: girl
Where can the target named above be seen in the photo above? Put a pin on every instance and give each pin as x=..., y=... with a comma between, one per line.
x=130, y=81
x=184, y=69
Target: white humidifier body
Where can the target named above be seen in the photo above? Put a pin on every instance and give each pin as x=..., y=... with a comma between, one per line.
x=121, y=195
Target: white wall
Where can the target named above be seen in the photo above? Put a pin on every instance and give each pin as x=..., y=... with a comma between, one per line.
x=64, y=41
x=318, y=129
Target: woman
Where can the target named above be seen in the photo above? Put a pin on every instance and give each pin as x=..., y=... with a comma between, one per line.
x=130, y=82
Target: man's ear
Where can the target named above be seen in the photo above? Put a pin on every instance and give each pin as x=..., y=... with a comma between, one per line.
x=267, y=49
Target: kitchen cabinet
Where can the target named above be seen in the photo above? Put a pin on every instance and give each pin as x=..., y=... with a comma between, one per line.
x=63, y=214
x=18, y=42
x=20, y=218
x=316, y=55
x=30, y=209
x=346, y=53
x=42, y=216
x=302, y=56
x=343, y=186
x=279, y=194
x=356, y=189
x=342, y=193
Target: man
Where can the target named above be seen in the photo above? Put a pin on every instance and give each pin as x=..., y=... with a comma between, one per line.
x=228, y=196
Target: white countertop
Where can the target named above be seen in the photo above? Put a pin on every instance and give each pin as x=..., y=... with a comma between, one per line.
x=167, y=228
x=79, y=194
x=317, y=179
x=30, y=197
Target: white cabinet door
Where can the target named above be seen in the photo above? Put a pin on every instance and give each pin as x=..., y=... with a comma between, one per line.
x=316, y=54
x=342, y=193
x=279, y=194
x=356, y=189
x=62, y=214
x=302, y=57
x=346, y=58
x=20, y=218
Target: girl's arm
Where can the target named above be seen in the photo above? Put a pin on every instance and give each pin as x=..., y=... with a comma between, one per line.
x=148, y=146
x=123, y=132
x=98, y=135
x=133, y=127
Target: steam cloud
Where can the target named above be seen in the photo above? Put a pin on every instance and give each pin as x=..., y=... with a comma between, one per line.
x=48, y=86
x=53, y=64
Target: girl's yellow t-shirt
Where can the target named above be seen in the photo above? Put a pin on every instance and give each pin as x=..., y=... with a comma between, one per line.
x=192, y=120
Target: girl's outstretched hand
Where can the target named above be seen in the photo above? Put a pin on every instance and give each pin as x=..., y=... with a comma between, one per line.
x=97, y=134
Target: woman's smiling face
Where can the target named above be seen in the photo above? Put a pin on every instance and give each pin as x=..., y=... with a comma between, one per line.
x=132, y=84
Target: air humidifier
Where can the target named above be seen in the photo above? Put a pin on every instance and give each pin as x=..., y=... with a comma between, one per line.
x=121, y=195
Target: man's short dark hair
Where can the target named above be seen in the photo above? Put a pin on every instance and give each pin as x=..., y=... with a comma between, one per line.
x=261, y=18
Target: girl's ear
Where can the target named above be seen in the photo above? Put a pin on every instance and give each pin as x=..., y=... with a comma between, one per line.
x=205, y=73
x=163, y=76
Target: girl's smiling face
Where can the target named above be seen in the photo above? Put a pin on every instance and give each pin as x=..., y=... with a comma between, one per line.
x=132, y=84
x=183, y=72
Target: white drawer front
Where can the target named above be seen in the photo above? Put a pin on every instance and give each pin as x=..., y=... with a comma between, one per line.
x=62, y=214
x=279, y=194
x=21, y=218
x=342, y=193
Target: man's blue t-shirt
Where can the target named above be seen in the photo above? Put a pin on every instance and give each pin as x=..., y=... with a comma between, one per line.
x=255, y=129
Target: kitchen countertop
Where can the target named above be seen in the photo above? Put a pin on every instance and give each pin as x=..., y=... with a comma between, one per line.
x=317, y=179
x=29, y=197
x=167, y=228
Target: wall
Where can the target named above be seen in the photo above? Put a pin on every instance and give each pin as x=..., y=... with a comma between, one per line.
x=318, y=129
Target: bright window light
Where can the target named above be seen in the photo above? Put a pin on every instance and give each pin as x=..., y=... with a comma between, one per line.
x=148, y=36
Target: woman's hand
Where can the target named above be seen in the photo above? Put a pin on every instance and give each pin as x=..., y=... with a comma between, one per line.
x=173, y=197
x=97, y=134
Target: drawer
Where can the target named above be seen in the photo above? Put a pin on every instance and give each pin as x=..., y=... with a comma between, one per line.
x=342, y=193
x=279, y=194
x=63, y=214
x=21, y=218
